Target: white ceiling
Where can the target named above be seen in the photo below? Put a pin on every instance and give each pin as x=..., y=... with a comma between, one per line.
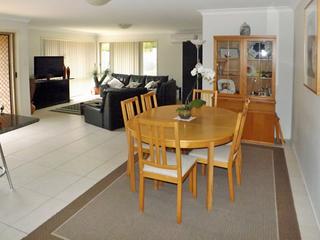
x=145, y=15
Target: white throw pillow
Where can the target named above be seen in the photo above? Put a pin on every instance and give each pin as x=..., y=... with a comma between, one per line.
x=152, y=85
x=133, y=85
x=115, y=83
x=149, y=85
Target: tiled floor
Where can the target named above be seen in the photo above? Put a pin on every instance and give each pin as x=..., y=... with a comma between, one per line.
x=51, y=163
x=55, y=160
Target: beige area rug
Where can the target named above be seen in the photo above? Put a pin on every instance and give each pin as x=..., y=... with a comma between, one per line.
x=263, y=208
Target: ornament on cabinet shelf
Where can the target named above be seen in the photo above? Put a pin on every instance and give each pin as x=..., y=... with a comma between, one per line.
x=245, y=29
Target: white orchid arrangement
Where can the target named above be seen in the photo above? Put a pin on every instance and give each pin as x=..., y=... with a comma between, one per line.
x=206, y=73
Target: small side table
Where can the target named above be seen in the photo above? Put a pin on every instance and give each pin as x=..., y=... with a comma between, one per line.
x=10, y=122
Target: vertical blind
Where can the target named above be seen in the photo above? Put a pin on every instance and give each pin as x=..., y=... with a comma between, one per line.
x=79, y=56
x=125, y=57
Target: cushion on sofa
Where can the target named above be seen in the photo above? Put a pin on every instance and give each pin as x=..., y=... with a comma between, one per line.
x=162, y=79
x=138, y=78
x=152, y=85
x=124, y=78
x=115, y=83
x=133, y=85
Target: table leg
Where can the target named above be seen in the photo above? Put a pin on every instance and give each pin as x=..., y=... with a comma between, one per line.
x=210, y=173
x=131, y=165
x=5, y=170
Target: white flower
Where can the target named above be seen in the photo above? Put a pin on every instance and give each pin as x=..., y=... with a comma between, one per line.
x=206, y=73
x=194, y=72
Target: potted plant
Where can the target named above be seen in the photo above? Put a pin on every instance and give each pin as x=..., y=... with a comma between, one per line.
x=97, y=82
x=184, y=111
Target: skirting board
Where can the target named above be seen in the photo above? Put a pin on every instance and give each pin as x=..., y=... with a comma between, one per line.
x=292, y=146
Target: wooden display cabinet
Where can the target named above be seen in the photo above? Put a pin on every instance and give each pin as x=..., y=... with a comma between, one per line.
x=245, y=67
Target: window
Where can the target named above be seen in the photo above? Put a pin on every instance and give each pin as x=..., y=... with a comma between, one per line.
x=129, y=57
x=149, y=58
x=104, y=56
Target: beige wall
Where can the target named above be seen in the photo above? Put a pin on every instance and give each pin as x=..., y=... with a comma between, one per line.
x=306, y=119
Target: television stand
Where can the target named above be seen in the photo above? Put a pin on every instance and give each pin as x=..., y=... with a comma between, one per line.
x=51, y=92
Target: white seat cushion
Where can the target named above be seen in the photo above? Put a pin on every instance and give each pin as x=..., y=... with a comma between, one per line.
x=221, y=153
x=186, y=163
x=144, y=145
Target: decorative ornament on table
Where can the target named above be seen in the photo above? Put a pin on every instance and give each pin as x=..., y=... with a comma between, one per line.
x=245, y=29
x=207, y=74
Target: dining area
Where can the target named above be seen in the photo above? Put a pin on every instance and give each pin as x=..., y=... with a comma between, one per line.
x=165, y=148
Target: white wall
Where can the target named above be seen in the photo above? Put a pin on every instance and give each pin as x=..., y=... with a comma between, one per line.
x=169, y=54
x=20, y=28
x=306, y=118
x=263, y=21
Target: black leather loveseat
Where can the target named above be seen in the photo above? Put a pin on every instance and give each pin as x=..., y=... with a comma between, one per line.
x=108, y=115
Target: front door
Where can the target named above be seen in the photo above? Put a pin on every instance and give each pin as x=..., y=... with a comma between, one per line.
x=7, y=98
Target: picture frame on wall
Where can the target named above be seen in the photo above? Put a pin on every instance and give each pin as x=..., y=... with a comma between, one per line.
x=311, y=47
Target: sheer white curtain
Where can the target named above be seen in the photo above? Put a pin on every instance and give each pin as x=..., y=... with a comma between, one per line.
x=79, y=56
x=125, y=57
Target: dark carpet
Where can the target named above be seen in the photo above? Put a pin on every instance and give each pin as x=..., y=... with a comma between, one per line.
x=77, y=108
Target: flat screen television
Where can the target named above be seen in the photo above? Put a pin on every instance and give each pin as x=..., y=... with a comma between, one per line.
x=48, y=66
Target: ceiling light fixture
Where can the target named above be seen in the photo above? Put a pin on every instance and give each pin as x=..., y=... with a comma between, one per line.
x=98, y=2
x=125, y=25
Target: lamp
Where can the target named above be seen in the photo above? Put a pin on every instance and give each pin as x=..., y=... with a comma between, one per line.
x=197, y=43
x=97, y=2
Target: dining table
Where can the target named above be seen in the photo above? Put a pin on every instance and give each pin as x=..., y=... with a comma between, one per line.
x=208, y=125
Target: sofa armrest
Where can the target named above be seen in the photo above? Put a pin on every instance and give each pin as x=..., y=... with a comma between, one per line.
x=93, y=115
x=167, y=93
x=112, y=105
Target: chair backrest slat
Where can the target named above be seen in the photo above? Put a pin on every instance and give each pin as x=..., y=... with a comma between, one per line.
x=149, y=100
x=154, y=133
x=241, y=120
x=211, y=97
x=130, y=108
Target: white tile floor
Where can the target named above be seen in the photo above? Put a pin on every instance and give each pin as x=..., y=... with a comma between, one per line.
x=55, y=160
x=51, y=163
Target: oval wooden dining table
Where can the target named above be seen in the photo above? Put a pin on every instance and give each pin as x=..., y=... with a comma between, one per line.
x=210, y=125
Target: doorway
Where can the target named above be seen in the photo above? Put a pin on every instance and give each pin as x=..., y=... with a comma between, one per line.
x=7, y=73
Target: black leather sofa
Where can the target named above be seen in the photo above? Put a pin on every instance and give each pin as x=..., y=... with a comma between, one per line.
x=108, y=115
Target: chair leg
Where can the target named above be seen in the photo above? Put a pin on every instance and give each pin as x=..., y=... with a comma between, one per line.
x=179, y=202
x=191, y=182
x=230, y=179
x=141, y=193
x=128, y=165
x=156, y=184
x=238, y=172
x=203, y=169
x=194, y=182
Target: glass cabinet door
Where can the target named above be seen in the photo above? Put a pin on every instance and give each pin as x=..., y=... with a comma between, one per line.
x=259, y=68
x=228, y=66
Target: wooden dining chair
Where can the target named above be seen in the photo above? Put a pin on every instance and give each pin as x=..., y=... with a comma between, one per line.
x=162, y=165
x=209, y=96
x=130, y=108
x=228, y=154
x=148, y=101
